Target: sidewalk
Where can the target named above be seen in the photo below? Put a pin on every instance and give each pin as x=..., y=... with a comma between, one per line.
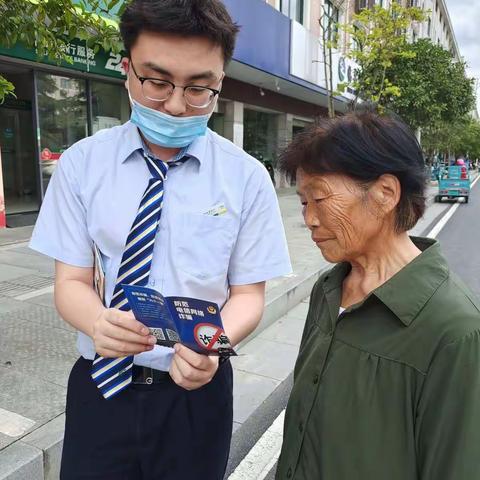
x=37, y=349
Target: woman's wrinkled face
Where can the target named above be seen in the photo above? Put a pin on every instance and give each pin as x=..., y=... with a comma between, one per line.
x=339, y=213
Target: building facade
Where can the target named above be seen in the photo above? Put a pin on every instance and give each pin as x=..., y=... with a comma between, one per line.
x=438, y=25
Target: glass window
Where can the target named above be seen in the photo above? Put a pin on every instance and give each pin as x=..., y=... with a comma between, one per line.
x=260, y=135
x=360, y=5
x=110, y=105
x=217, y=123
x=299, y=11
x=331, y=15
x=62, y=109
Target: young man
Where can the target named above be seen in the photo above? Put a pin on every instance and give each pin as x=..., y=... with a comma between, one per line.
x=170, y=205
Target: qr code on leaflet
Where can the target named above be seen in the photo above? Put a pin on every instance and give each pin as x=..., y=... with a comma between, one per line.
x=172, y=335
x=157, y=333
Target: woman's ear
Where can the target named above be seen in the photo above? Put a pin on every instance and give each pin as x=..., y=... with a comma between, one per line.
x=386, y=192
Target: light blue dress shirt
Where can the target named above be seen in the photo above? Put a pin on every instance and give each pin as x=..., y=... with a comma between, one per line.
x=94, y=195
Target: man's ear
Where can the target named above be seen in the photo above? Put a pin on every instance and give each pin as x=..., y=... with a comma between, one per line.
x=126, y=69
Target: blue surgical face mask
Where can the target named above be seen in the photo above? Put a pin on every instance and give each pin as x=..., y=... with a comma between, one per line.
x=165, y=130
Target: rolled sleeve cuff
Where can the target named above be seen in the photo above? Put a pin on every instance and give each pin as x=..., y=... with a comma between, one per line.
x=250, y=276
x=53, y=252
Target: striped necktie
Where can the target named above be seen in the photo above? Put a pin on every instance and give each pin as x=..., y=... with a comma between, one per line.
x=112, y=375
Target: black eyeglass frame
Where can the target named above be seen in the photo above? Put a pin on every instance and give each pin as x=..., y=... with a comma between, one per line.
x=142, y=80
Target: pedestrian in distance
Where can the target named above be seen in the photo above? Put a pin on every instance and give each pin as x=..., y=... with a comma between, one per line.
x=387, y=381
x=172, y=206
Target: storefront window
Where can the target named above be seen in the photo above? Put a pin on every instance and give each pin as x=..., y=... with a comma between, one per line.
x=260, y=135
x=217, y=123
x=62, y=109
x=110, y=106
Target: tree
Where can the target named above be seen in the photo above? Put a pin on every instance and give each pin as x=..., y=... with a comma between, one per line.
x=49, y=25
x=433, y=87
x=329, y=26
x=461, y=137
x=379, y=36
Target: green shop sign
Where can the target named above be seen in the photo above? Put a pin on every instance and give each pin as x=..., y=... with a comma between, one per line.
x=84, y=59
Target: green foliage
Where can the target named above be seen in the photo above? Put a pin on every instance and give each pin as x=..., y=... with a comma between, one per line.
x=461, y=137
x=379, y=35
x=49, y=25
x=432, y=86
x=6, y=87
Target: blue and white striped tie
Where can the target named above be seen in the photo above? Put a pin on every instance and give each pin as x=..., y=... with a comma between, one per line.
x=112, y=375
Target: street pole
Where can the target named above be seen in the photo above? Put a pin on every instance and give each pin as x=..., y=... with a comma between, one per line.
x=3, y=218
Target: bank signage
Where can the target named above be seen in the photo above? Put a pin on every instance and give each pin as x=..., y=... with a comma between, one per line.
x=83, y=58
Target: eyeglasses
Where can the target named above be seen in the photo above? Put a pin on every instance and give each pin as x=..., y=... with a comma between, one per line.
x=161, y=90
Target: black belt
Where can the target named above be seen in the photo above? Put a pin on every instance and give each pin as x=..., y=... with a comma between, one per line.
x=147, y=376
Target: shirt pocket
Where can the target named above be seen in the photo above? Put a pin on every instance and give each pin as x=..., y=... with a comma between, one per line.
x=204, y=244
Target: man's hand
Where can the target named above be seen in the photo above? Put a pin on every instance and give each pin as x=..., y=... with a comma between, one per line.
x=118, y=334
x=192, y=370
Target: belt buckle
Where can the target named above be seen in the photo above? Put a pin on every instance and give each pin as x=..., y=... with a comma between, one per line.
x=145, y=377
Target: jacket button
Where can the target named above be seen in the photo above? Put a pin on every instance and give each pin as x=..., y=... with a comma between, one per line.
x=316, y=378
x=300, y=427
x=289, y=473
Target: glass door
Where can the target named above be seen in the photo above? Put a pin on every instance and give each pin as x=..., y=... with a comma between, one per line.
x=62, y=118
x=17, y=144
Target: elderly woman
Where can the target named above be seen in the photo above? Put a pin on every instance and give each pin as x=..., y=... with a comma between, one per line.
x=387, y=382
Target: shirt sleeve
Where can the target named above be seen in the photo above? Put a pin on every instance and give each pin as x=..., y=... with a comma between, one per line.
x=61, y=228
x=261, y=250
x=448, y=420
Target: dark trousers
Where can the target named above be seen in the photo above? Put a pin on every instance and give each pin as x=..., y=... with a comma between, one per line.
x=147, y=432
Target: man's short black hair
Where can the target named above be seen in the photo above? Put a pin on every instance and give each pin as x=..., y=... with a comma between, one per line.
x=204, y=18
x=364, y=146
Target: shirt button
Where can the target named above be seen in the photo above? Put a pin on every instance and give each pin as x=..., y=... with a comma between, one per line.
x=316, y=378
x=300, y=427
x=289, y=473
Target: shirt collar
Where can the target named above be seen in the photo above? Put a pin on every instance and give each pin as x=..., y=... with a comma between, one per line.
x=407, y=292
x=132, y=141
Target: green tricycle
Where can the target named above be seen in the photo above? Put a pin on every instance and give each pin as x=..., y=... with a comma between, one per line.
x=453, y=182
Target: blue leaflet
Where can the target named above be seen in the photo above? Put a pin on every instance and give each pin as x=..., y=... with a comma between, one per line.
x=195, y=323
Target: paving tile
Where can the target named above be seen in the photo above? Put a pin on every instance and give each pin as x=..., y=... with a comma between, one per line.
x=5, y=440
x=30, y=397
x=33, y=281
x=46, y=300
x=54, y=368
x=21, y=462
x=24, y=249
x=8, y=305
x=288, y=329
x=236, y=426
x=9, y=272
x=25, y=340
x=263, y=357
x=11, y=289
x=249, y=391
x=18, y=259
x=43, y=315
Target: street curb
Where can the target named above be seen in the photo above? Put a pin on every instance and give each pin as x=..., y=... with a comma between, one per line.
x=37, y=455
x=20, y=461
